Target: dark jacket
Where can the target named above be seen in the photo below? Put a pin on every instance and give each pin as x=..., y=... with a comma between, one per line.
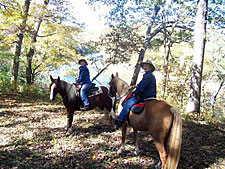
x=147, y=87
x=84, y=76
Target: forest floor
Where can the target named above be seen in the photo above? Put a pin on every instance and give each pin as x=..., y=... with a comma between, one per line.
x=32, y=135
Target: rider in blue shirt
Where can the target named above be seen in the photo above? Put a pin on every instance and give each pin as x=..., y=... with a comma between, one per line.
x=84, y=80
x=145, y=89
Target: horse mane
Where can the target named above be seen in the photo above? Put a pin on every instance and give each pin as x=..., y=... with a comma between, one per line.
x=68, y=89
x=122, y=86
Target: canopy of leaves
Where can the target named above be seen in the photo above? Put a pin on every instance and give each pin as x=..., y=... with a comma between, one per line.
x=55, y=41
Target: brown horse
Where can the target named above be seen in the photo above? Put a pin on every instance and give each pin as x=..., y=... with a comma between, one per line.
x=159, y=118
x=72, y=102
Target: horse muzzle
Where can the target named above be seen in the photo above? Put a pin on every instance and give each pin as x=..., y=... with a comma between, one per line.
x=52, y=98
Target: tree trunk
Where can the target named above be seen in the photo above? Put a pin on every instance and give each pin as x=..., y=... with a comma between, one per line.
x=146, y=44
x=167, y=48
x=29, y=73
x=19, y=42
x=215, y=96
x=198, y=58
x=29, y=65
x=31, y=54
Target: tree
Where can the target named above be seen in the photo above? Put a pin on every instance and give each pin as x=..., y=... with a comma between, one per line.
x=47, y=41
x=30, y=54
x=148, y=16
x=198, y=58
x=19, y=41
x=121, y=42
x=148, y=37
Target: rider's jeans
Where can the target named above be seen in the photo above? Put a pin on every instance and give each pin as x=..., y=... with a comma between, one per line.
x=126, y=108
x=83, y=93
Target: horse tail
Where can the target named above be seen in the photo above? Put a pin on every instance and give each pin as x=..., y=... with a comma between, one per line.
x=174, y=140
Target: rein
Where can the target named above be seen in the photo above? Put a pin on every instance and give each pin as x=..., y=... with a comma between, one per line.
x=122, y=96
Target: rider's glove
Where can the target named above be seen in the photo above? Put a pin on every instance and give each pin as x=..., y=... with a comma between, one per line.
x=134, y=95
x=132, y=87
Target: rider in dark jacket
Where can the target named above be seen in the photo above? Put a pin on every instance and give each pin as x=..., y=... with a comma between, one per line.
x=145, y=89
x=84, y=76
x=84, y=80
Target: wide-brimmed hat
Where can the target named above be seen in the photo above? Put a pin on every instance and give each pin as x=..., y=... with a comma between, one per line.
x=82, y=60
x=150, y=63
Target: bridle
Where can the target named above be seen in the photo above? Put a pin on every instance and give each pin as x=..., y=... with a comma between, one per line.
x=66, y=92
x=112, y=85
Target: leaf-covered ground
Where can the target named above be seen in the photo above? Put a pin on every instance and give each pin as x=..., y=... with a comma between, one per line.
x=32, y=135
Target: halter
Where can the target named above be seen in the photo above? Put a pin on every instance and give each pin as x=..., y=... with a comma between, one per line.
x=67, y=93
x=123, y=94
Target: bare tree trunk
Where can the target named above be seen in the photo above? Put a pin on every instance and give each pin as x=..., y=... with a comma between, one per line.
x=167, y=48
x=31, y=54
x=19, y=42
x=146, y=44
x=199, y=48
x=29, y=73
x=215, y=96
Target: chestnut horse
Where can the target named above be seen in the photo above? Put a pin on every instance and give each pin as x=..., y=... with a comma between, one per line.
x=72, y=102
x=159, y=118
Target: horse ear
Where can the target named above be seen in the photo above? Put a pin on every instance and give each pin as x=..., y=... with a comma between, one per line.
x=58, y=78
x=51, y=78
x=117, y=74
x=112, y=76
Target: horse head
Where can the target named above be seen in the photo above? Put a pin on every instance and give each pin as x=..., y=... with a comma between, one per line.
x=112, y=86
x=54, y=87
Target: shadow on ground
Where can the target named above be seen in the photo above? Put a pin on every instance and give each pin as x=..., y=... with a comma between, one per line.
x=94, y=144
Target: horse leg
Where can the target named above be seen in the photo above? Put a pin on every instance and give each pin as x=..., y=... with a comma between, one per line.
x=162, y=152
x=122, y=145
x=137, y=150
x=109, y=116
x=69, y=122
x=106, y=114
x=112, y=112
x=120, y=107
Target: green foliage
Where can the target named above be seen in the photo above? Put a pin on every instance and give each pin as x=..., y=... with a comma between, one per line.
x=33, y=91
x=5, y=66
x=55, y=42
x=121, y=42
x=4, y=78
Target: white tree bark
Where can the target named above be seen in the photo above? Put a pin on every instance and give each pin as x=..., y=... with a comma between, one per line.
x=198, y=58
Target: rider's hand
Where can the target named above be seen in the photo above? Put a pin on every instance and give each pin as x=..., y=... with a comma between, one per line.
x=132, y=87
x=134, y=95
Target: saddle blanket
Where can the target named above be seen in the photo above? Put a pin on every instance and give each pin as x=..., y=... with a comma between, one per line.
x=139, y=107
x=94, y=91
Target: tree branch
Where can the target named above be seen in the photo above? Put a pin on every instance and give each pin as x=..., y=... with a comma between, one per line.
x=100, y=72
x=41, y=36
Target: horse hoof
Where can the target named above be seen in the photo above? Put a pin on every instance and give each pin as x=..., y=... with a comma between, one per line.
x=67, y=133
x=158, y=165
x=120, y=150
x=137, y=152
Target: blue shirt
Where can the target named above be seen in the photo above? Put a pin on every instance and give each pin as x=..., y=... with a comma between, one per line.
x=84, y=76
x=147, y=86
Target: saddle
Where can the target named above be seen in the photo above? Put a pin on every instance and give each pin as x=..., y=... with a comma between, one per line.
x=91, y=92
x=138, y=107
